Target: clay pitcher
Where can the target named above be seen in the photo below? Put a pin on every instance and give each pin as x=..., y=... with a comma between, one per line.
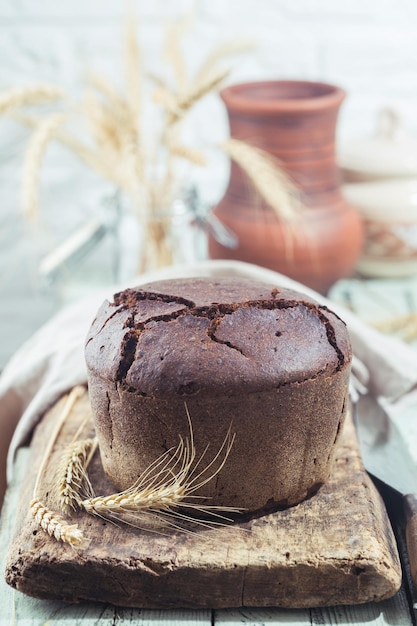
x=295, y=121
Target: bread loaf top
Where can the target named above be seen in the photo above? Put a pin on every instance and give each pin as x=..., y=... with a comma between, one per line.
x=196, y=335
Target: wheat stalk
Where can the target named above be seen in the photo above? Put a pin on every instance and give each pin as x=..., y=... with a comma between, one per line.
x=157, y=251
x=50, y=521
x=166, y=488
x=31, y=94
x=71, y=473
x=133, y=67
x=271, y=182
x=115, y=112
x=164, y=491
x=104, y=131
x=405, y=325
x=176, y=108
x=118, y=119
x=116, y=141
x=103, y=162
x=172, y=49
x=38, y=144
x=157, y=79
x=109, y=91
x=162, y=95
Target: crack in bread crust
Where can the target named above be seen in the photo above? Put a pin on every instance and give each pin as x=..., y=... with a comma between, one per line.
x=216, y=312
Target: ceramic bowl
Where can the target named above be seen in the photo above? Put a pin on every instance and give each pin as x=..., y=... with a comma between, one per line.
x=389, y=211
x=390, y=152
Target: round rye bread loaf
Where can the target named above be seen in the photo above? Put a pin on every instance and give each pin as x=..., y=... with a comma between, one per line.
x=269, y=363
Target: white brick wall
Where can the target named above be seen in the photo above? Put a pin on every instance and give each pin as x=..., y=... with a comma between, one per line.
x=369, y=47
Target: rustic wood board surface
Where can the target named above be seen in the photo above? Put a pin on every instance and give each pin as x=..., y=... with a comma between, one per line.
x=335, y=548
x=22, y=610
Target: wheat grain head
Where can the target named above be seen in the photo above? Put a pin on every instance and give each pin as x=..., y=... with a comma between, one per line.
x=17, y=97
x=189, y=153
x=167, y=488
x=175, y=34
x=133, y=68
x=222, y=51
x=267, y=177
x=195, y=93
x=50, y=521
x=38, y=144
x=55, y=525
x=71, y=478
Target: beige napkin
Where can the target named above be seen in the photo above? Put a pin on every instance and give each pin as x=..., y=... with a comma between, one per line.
x=52, y=361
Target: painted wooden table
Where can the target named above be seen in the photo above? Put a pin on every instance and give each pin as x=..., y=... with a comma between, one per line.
x=371, y=300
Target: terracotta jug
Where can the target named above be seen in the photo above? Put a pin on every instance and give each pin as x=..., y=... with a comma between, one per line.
x=295, y=121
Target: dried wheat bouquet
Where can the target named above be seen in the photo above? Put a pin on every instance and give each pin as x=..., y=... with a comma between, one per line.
x=106, y=129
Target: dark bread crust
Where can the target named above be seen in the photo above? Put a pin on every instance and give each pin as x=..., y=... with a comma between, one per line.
x=271, y=361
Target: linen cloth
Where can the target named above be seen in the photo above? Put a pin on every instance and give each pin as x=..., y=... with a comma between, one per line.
x=52, y=360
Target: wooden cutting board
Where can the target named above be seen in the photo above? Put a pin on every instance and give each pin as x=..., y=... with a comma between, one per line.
x=335, y=548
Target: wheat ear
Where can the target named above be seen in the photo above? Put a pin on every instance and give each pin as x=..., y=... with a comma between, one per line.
x=410, y=327
x=114, y=108
x=116, y=111
x=102, y=161
x=111, y=94
x=71, y=474
x=166, y=487
x=195, y=93
x=115, y=123
x=162, y=95
x=55, y=525
x=31, y=94
x=133, y=68
x=159, y=488
x=272, y=183
x=223, y=50
x=50, y=521
x=406, y=325
x=38, y=144
x=102, y=123
x=98, y=161
x=134, y=96
x=194, y=156
x=172, y=49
